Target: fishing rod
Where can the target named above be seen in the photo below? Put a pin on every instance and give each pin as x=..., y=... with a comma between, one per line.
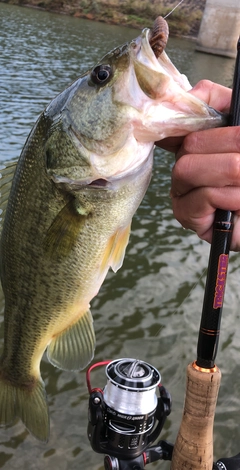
x=126, y=416
x=194, y=444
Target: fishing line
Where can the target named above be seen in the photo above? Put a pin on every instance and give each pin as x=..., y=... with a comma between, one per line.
x=173, y=9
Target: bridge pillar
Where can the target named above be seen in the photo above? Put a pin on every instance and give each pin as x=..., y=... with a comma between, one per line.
x=220, y=28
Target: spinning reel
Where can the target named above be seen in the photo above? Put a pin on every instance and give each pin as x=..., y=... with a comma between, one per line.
x=127, y=416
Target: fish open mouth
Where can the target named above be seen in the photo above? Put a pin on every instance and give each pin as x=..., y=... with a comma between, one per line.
x=148, y=49
x=171, y=109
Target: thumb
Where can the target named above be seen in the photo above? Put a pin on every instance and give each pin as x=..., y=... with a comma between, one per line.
x=215, y=95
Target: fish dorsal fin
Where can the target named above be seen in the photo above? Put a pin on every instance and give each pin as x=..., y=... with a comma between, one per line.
x=6, y=176
x=115, y=251
x=73, y=349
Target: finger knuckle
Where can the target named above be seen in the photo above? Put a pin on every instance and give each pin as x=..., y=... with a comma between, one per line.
x=177, y=172
x=182, y=169
x=237, y=137
x=179, y=212
x=234, y=169
x=193, y=142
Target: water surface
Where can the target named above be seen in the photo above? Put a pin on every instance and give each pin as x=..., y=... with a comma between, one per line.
x=151, y=308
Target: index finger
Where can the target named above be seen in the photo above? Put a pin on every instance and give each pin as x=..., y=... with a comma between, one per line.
x=218, y=141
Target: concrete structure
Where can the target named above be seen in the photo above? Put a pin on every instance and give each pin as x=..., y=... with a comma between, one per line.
x=220, y=27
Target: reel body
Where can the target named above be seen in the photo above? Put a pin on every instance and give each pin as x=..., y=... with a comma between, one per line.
x=126, y=417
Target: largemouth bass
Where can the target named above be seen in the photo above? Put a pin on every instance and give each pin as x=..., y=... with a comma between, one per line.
x=82, y=174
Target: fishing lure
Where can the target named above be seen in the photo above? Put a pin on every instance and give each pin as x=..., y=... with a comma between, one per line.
x=159, y=36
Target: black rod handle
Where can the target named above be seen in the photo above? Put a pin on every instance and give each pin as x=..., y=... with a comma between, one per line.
x=214, y=291
x=218, y=259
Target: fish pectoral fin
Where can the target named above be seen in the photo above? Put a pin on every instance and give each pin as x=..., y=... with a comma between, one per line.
x=6, y=177
x=73, y=349
x=118, y=248
x=28, y=404
x=62, y=234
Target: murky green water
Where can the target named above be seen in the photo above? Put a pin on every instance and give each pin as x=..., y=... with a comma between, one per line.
x=151, y=308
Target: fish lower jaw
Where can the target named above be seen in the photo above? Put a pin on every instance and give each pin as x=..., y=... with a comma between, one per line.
x=181, y=125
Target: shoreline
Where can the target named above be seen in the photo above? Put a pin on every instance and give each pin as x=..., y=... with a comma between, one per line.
x=135, y=14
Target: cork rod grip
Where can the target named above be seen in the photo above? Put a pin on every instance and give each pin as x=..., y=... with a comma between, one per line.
x=193, y=449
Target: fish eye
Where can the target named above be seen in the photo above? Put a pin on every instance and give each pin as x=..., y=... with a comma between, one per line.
x=101, y=74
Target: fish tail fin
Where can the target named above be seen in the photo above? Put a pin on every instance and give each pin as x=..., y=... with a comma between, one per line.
x=32, y=408
x=7, y=403
x=29, y=404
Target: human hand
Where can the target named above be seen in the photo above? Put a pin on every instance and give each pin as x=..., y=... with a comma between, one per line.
x=206, y=175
